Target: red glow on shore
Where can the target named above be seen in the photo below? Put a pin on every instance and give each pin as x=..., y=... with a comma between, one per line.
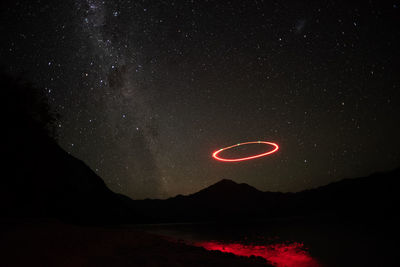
x=215, y=154
x=280, y=255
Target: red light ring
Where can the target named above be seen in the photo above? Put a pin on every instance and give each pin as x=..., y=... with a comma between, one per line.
x=215, y=154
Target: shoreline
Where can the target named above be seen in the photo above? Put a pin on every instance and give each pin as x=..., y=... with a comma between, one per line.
x=53, y=243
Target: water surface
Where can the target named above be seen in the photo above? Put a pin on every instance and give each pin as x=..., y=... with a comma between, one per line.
x=289, y=243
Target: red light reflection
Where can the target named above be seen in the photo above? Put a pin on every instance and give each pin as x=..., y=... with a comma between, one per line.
x=280, y=255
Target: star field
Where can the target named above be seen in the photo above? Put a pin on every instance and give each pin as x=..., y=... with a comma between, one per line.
x=147, y=90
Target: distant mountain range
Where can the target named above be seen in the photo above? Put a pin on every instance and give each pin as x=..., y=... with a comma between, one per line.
x=375, y=195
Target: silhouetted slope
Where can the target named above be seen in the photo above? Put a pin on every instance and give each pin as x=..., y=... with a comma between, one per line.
x=39, y=178
x=231, y=191
x=50, y=182
x=376, y=194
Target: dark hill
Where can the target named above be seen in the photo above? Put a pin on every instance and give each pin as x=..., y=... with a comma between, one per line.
x=231, y=190
x=39, y=178
x=376, y=194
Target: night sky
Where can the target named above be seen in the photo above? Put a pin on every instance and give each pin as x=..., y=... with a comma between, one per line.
x=147, y=90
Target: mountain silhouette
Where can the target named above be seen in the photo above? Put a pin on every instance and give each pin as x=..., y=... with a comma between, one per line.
x=230, y=189
x=373, y=196
x=39, y=178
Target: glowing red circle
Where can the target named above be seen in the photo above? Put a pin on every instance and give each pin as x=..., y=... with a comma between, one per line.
x=215, y=154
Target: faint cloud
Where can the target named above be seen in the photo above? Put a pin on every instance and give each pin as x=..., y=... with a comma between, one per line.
x=299, y=26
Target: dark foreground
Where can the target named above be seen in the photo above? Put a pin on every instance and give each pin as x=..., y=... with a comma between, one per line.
x=52, y=243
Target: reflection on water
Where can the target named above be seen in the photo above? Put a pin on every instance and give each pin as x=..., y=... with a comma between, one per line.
x=302, y=242
x=280, y=255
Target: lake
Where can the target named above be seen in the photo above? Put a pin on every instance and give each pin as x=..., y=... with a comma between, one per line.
x=295, y=242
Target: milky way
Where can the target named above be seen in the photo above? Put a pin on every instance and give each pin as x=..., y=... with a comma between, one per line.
x=128, y=125
x=147, y=90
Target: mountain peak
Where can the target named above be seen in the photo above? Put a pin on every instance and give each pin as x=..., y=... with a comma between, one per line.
x=225, y=182
x=226, y=188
